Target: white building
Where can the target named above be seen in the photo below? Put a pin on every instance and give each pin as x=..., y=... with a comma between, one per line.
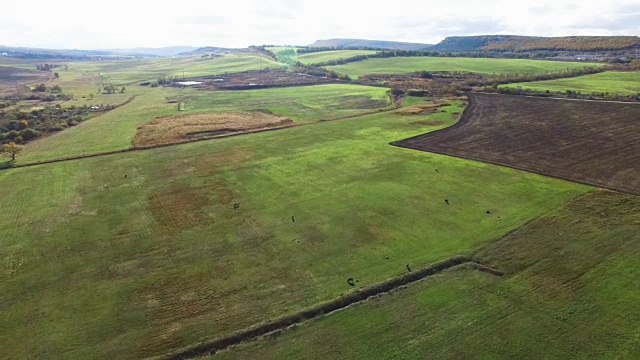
x=4, y=54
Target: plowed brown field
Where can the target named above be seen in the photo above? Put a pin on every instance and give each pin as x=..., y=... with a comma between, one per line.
x=596, y=143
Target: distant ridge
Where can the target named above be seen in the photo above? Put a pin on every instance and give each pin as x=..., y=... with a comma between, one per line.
x=211, y=50
x=377, y=44
x=514, y=43
x=163, y=51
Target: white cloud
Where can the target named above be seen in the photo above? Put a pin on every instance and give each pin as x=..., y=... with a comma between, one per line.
x=239, y=23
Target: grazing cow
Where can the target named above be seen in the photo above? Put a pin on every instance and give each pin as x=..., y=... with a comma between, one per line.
x=386, y=257
x=408, y=268
x=125, y=176
x=293, y=219
x=446, y=201
x=488, y=211
x=437, y=171
x=236, y=205
x=350, y=282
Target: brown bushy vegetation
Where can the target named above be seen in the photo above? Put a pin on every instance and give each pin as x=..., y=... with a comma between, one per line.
x=571, y=43
x=185, y=128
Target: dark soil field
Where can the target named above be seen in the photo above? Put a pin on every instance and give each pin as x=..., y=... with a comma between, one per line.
x=596, y=143
x=259, y=79
x=12, y=79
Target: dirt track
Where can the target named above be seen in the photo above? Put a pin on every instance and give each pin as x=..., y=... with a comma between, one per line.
x=595, y=143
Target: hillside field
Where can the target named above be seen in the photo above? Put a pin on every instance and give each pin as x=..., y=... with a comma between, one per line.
x=612, y=82
x=323, y=56
x=403, y=65
x=116, y=129
x=146, y=252
x=132, y=72
x=554, y=286
x=143, y=253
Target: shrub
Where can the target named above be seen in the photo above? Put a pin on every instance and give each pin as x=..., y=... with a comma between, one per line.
x=426, y=75
x=29, y=134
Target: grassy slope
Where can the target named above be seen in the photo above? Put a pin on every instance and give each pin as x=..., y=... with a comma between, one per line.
x=318, y=57
x=135, y=71
x=624, y=83
x=571, y=291
x=116, y=129
x=102, y=265
x=398, y=65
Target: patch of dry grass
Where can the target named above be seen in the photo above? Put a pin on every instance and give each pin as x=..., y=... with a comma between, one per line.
x=184, y=128
x=422, y=109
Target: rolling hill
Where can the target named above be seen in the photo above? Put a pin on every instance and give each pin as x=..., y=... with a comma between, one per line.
x=512, y=43
x=377, y=44
x=163, y=51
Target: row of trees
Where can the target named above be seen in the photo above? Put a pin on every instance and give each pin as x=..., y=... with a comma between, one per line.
x=43, y=88
x=49, y=67
x=111, y=89
x=331, y=74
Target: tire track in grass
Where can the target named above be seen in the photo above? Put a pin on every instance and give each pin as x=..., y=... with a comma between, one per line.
x=360, y=295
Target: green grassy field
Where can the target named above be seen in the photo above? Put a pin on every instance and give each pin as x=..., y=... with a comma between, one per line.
x=402, y=65
x=612, y=82
x=571, y=291
x=116, y=129
x=141, y=253
x=83, y=79
x=134, y=71
x=159, y=259
x=319, y=57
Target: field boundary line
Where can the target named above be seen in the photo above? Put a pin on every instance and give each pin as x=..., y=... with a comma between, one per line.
x=278, y=325
x=538, y=172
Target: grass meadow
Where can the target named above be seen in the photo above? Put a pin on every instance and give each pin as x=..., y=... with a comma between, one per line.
x=403, y=65
x=612, y=82
x=323, y=56
x=142, y=253
x=115, y=130
x=137, y=254
x=554, y=286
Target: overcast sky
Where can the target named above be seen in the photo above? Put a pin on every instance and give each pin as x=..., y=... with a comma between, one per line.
x=239, y=23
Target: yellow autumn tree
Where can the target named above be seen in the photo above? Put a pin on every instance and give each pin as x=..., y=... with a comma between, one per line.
x=11, y=149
